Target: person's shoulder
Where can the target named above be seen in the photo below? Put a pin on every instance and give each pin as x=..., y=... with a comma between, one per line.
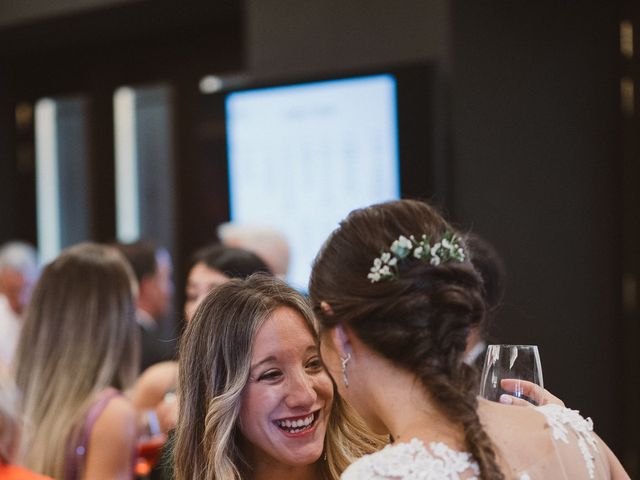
x=117, y=417
x=112, y=441
x=409, y=460
x=499, y=420
x=375, y=465
x=562, y=419
x=363, y=468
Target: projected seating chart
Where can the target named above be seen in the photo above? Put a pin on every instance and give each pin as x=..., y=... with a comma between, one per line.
x=301, y=157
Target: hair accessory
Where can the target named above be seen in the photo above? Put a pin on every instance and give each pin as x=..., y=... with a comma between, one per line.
x=448, y=249
x=345, y=377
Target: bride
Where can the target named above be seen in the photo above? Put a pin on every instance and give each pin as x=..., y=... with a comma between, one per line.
x=396, y=296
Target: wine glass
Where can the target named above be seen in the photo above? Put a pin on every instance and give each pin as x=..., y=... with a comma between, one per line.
x=149, y=443
x=515, y=362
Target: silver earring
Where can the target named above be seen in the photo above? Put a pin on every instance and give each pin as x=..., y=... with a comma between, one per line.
x=345, y=378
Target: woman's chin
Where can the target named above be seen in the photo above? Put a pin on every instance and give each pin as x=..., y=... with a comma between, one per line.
x=301, y=457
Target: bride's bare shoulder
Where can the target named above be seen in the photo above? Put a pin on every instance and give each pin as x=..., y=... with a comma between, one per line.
x=519, y=433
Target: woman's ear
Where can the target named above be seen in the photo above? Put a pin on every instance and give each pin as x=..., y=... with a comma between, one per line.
x=326, y=308
x=340, y=338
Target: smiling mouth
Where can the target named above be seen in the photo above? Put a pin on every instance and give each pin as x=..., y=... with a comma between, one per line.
x=298, y=424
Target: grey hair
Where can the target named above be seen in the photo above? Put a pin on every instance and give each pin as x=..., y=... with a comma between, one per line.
x=19, y=256
x=267, y=242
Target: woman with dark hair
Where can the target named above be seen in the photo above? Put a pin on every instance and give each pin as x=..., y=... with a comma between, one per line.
x=214, y=265
x=256, y=400
x=396, y=296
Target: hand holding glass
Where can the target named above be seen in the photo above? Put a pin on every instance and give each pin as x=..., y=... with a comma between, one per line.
x=518, y=364
x=150, y=442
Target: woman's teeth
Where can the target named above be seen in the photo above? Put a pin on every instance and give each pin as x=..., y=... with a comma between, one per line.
x=295, y=426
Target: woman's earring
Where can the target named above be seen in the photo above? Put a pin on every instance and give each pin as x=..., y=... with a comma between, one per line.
x=345, y=378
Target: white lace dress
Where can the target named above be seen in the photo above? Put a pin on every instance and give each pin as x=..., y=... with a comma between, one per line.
x=565, y=447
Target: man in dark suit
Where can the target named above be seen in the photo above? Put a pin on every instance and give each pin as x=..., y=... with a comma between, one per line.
x=153, y=269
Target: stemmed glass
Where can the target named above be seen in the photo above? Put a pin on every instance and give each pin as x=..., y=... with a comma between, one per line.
x=149, y=443
x=517, y=363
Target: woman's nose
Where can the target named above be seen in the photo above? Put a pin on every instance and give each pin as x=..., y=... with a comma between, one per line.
x=301, y=392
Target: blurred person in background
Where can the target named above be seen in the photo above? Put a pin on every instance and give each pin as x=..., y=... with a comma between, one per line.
x=266, y=242
x=77, y=352
x=153, y=269
x=10, y=431
x=18, y=274
x=211, y=266
x=214, y=265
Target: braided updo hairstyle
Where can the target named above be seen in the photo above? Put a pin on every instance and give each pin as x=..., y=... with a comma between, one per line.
x=419, y=320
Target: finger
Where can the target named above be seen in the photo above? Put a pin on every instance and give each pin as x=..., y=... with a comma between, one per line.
x=551, y=399
x=511, y=400
x=523, y=386
x=529, y=389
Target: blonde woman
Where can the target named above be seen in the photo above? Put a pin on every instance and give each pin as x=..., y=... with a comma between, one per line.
x=256, y=401
x=10, y=431
x=76, y=354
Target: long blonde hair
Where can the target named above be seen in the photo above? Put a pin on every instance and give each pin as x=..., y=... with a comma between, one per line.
x=9, y=423
x=215, y=357
x=79, y=337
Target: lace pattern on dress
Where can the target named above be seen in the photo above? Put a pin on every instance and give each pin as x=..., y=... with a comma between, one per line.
x=413, y=461
x=560, y=418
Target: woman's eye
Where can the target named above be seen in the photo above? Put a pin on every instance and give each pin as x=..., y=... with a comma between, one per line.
x=270, y=375
x=314, y=364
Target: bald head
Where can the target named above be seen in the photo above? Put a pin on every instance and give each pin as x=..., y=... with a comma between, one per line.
x=266, y=242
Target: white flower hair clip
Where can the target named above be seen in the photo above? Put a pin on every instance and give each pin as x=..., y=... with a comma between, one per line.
x=448, y=249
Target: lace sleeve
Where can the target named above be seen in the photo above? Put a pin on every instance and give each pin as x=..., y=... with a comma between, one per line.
x=414, y=461
x=570, y=430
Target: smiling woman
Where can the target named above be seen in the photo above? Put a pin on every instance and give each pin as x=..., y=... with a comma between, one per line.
x=256, y=401
x=286, y=404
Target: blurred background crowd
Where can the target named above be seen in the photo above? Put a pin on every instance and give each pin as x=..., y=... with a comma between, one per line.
x=518, y=119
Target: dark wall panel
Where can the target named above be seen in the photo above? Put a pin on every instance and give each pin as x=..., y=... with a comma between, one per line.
x=536, y=121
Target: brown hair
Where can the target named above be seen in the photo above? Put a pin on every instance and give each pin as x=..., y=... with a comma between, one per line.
x=142, y=256
x=79, y=337
x=233, y=262
x=215, y=359
x=419, y=320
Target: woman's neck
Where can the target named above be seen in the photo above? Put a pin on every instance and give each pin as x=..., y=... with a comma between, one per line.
x=263, y=471
x=406, y=409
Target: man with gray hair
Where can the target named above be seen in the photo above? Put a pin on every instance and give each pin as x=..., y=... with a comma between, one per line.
x=266, y=242
x=18, y=274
